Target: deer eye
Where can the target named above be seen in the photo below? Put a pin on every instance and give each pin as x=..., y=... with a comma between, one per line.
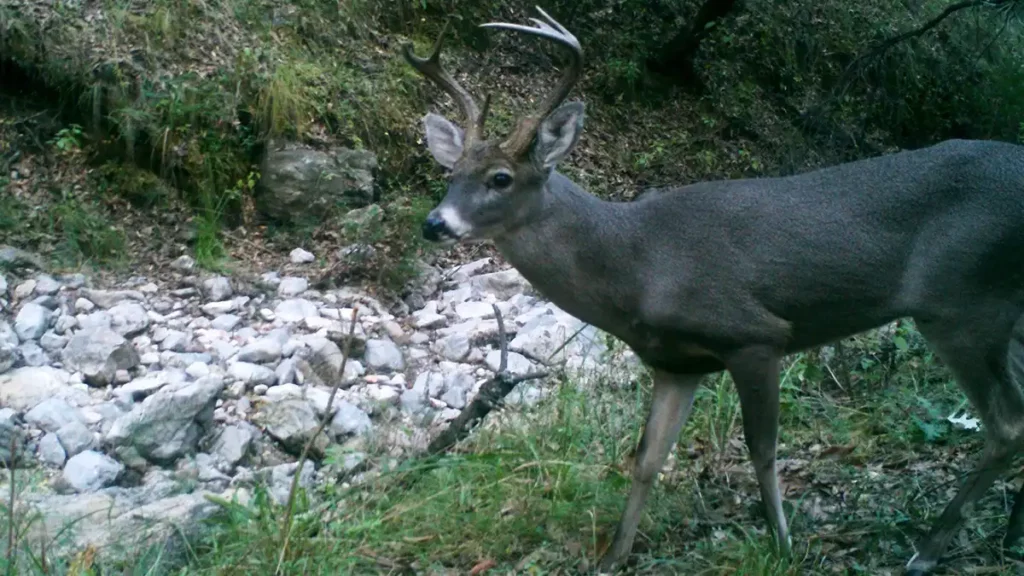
x=501, y=180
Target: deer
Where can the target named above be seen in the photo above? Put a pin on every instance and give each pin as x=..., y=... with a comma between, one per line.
x=734, y=275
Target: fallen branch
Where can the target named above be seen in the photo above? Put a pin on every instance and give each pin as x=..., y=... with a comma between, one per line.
x=488, y=398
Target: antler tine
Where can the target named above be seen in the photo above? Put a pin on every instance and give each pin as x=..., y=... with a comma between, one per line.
x=519, y=141
x=430, y=67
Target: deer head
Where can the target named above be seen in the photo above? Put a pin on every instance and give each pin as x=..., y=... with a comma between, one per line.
x=495, y=186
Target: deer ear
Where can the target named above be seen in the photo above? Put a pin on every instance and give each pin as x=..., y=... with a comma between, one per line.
x=444, y=139
x=557, y=134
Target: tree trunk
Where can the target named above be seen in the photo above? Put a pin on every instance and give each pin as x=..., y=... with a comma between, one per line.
x=676, y=58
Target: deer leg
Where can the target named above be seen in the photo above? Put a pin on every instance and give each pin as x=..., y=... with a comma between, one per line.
x=755, y=371
x=982, y=371
x=671, y=402
x=1015, y=525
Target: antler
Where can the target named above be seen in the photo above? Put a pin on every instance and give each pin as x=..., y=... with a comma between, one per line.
x=519, y=141
x=430, y=68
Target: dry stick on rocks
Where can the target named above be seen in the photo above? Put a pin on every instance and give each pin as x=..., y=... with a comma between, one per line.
x=327, y=417
x=11, y=503
x=490, y=396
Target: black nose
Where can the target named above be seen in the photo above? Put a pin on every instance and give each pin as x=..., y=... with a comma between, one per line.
x=434, y=228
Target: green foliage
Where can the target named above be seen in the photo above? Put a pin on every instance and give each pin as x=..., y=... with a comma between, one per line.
x=140, y=187
x=84, y=234
x=209, y=250
x=68, y=139
x=13, y=212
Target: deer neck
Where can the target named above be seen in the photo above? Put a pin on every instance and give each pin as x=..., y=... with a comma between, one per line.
x=570, y=247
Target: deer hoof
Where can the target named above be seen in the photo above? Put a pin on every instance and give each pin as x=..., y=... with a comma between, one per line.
x=608, y=565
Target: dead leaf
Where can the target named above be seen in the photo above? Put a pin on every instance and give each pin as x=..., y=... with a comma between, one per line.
x=482, y=566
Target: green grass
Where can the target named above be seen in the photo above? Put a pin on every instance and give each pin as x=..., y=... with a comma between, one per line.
x=539, y=491
x=865, y=469
x=84, y=234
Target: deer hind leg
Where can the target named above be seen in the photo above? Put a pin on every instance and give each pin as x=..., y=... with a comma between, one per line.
x=671, y=402
x=1015, y=358
x=755, y=371
x=977, y=355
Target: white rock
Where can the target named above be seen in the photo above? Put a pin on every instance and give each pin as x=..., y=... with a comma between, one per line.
x=300, y=256
x=51, y=342
x=90, y=471
x=252, y=374
x=233, y=443
x=164, y=426
x=349, y=419
x=454, y=347
x=217, y=288
x=295, y=310
x=128, y=319
x=46, y=285
x=226, y=322
x=384, y=355
x=32, y=321
x=214, y=309
x=261, y=351
x=24, y=388
x=292, y=286
x=198, y=370
x=383, y=394
x=50, y=452
x=175, y=341
x=65, y=324
x=503, y=285
x=75, y=437
x=430, y=321
x=52, y=413
x=25, y=289
x=183, y=263
x=83, y=305
x=473, y=310
x=99, y=353
x=285, y=372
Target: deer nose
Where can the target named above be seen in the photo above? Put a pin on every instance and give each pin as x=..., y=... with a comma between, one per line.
x=434, y=228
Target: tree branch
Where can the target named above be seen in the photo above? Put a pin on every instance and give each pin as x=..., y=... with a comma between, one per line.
x=846, y=79
x=489, y=397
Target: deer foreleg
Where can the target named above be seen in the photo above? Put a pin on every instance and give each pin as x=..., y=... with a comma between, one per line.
x=671, y=402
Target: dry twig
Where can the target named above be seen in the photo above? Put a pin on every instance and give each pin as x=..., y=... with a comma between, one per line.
x=327, y=417
x=489, y=397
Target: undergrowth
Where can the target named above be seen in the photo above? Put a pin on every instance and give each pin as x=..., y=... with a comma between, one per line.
x=539, y=490
x=210, y=84
x=868, y=457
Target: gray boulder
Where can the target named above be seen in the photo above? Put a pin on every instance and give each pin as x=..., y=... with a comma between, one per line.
x=24, y=388
x=32, y=321
x=99, y=353
x=233, y=443
x=128, y=319
x=90, y=471
x=292, y=422
x=169, y=423
x=52, y=413
x=300, y=184
x=384, y=355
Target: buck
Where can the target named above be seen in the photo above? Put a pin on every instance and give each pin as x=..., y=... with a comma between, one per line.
x=734, y=275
